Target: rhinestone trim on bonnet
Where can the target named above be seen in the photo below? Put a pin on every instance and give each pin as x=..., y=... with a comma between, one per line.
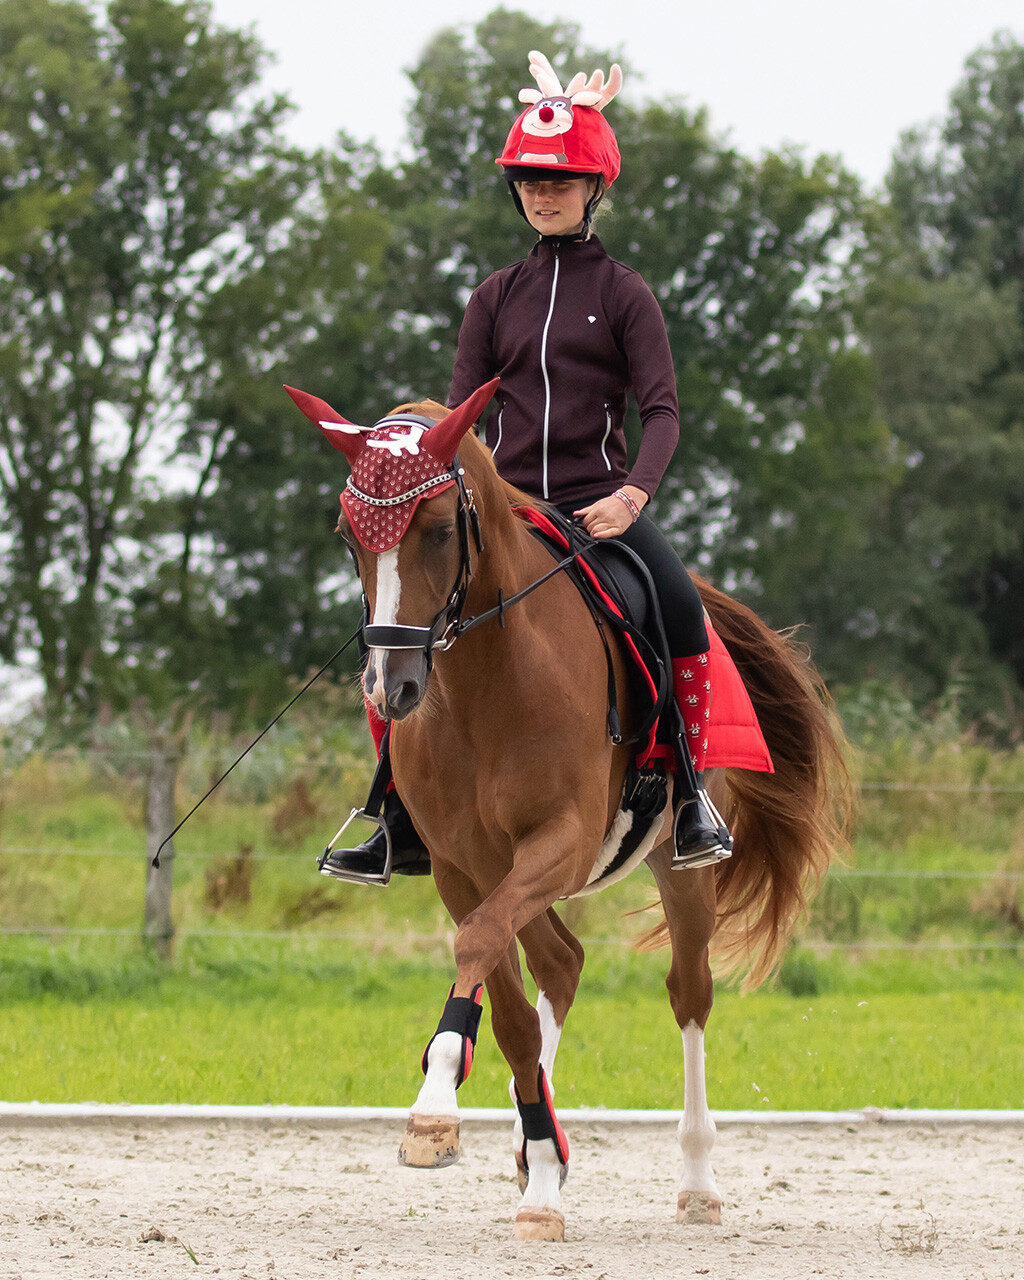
x=389, y=479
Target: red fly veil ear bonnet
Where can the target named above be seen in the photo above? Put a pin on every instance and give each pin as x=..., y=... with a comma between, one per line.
x=396, y=463
x=562, y=132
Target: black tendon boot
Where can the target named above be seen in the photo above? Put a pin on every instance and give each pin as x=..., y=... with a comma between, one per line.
x=699, y=831
x=367, y=862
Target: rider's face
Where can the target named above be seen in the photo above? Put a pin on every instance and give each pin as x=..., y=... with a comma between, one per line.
x=555, y=208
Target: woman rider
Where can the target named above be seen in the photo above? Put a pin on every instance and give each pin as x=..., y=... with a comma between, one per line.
x=570, y=331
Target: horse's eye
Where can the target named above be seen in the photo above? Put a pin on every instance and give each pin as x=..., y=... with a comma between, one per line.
x=442, y=534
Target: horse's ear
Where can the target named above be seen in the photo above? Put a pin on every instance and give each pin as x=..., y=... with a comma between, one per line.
x=341, y=433
x=443, y=440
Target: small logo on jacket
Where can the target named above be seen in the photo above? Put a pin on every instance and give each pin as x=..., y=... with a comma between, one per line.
x=591, y=319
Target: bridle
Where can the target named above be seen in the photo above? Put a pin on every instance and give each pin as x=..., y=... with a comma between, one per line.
x=448, y=623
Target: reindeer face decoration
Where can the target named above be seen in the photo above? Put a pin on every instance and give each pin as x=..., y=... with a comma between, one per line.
x=563, y=127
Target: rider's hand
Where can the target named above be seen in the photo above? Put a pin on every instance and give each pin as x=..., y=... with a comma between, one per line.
x=608, y=517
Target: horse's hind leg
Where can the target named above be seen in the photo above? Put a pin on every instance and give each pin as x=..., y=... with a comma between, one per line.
x=689, y=901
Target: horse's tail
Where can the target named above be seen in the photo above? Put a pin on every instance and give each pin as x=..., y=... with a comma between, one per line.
x=787, y=825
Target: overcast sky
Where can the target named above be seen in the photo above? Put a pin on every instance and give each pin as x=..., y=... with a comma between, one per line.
x=826, y=75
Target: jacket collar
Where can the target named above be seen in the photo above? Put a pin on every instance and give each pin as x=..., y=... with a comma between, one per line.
x=571, y=252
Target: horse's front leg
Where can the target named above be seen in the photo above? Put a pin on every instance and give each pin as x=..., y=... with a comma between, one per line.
x=541, y=1150
x=432, y=1134
x=689, y=901
x=547, y=864
x=555, y=960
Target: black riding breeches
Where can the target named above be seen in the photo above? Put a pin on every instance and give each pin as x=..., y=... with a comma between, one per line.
x=681, y=607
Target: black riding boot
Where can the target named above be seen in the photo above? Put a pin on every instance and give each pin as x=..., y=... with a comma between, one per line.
x=367, y=862
x=699, y=831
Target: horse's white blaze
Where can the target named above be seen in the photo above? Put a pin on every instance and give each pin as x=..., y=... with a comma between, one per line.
x=437, y=1096
x=385, y=614
x=696, y=1129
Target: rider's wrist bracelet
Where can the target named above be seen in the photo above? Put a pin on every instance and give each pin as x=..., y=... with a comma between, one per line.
x=633, y=509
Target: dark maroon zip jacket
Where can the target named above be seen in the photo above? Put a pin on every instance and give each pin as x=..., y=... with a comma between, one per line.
x=570, y=331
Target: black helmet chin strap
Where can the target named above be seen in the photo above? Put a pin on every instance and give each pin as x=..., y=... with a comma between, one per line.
x=591, y=206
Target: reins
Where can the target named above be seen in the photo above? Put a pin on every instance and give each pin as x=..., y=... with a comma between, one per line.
x=448, y=623
x=352, y=638
x=499, y=610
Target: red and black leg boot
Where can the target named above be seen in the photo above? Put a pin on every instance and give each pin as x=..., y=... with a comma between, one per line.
x=700, y=834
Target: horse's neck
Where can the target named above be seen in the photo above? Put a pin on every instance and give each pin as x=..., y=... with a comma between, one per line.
x=511, y=559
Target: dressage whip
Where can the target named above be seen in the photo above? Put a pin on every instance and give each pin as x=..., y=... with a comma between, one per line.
x=330, y=660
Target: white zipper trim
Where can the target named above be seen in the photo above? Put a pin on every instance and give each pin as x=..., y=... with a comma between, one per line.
x=501, y=412
x=607, y=433
x=547, y=382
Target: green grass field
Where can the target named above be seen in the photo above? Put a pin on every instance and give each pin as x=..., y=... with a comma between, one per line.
x=227, y=1026
x=290, y=989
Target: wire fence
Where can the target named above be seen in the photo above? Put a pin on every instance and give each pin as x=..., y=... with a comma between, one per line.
x=836, y=873
x=212, y=760
x=1001, y=880
x=405, y=940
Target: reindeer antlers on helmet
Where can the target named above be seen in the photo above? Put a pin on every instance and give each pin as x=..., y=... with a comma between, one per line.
x=580, y=91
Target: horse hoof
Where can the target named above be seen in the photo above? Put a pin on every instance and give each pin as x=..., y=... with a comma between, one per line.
x=430, y=1142
x=698, y=1208
x=540, y=1224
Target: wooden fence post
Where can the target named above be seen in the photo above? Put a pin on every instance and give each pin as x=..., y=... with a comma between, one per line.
x=158, y=927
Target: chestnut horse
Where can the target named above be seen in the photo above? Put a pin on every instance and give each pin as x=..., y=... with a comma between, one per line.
x=501, y=752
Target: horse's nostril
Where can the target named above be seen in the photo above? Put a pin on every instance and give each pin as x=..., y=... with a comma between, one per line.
x=404, y=699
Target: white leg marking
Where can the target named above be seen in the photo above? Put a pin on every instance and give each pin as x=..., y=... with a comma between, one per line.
x=437, y=1096
x=696, y=1129
x=550, y=1034
x=542, y=1186
x=385, y=614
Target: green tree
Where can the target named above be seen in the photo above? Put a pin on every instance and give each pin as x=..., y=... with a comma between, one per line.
x=260, y=583
x=138, y=181
x=946, y=326
x=758, y=267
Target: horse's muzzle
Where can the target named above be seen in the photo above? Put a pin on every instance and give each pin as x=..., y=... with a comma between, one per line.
x=396, y=681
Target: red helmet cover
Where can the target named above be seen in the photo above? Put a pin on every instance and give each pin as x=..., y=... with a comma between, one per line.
x=585, y=145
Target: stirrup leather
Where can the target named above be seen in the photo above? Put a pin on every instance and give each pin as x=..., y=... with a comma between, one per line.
x=371, y=812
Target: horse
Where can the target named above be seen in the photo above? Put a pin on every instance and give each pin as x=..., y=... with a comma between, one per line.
x=501, y=753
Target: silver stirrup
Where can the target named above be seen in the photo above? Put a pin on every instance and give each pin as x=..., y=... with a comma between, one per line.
x=707, y=857
x=356, y=877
